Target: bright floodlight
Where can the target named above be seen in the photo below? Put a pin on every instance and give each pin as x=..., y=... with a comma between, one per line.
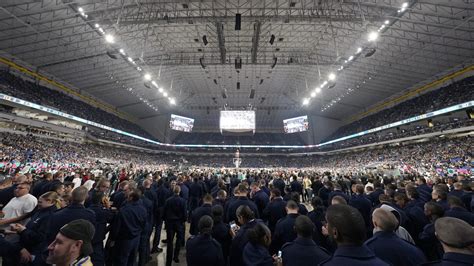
x=165, y=94
x=80, y=9
x=154, y=83
x=172, y=101
x=359, y=49
x=122, y=51
x=313, y=94
x=147, y=76
x=305, y=101
x=96, y=25
x=405, y=5
x=332, y=76
x=373, y=36
x=324, y=83
x=109, y=38
x=350, y=58
x=130, y=59
x=318, y=90
x=386, y=22
x=160, y=90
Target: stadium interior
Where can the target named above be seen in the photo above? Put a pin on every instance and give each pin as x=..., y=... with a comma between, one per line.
x=156, y=96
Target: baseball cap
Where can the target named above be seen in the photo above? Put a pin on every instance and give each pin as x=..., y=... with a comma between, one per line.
x=454, y=232
x=80, y=230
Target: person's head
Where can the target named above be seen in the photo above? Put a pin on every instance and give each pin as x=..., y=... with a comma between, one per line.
x=455, y=235
x=384, y=220
x=433, y=210
x=222, y=194
x=205, y=224
x=359, y=189
x=48, y=199
x=147, y=183
x=291, y=207
x=411, y=192
x=97, y=197
x=455, y=202
x=73, y=241
x=439, y=192
x=338, y=200
x=135, y=195
x=345, y=225
x=217, y=213
x=304, y=227
x=244, y=214
x=295, y=196
x=123, y=185
x=22, y=189
x=242, y=190
x=255, y=187
x=458, y=186
x=79, y=195
x=420, y=180
x=260, y=235
x=207, y=199
x=68, y=187
x=275, y=193
x=103, y=185
x=65, y=200
x=401, y=200
x=176, y=190
x=58, y=188
x=317, y=203
x=384, y=198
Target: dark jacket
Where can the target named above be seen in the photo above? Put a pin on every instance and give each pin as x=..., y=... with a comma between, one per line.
x=394, y=250
x=36, y=229
x=236, y=203
x=199, y=212
x=131, y=221
x=354, y=256
x=303, y=252
x=274, y=211
x=175, y=210
x=70, y=213
x=239, y=242
x=204, y=250
x=256, y=255
x=284, y=232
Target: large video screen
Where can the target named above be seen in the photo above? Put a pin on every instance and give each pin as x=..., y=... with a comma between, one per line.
x=181, y=123
x=237, y=121
x=297, y=124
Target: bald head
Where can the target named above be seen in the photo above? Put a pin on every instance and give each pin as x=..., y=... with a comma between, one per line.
x=384, y=220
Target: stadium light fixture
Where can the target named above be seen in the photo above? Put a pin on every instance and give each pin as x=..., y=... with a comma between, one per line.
x=373, y=36
x=154, y=83
x=350, y=58
x=313, y=94
x=387, y=22
x=165, y=94
x=305, y=101
x=172, y=101
x=324, y=83
x=122, y=51
x=405, y=5
x=109, y=38
x=160, y=90
x=130, y=59
x=359, y=50
x=80, y=9
x=139, y=69
x=331, y=76
x=318, y=90
x=96, y=25
x=147, y=76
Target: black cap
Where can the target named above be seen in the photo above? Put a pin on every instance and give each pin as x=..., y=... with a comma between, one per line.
x=80, y=230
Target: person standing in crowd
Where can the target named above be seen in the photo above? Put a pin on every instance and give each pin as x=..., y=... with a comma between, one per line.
x=423, y=189
x=127, y=228
x=203, y=249
x=428, y=241
x=337, y=192
x=174, y=215
x=72, y=244
x=457, y=210
x=303, y=251
x=346, y=226
x=100, y=205
x=239, y=200
x=279, y=184
x=120, y=196
x=204, y=209
x=457, y=238
x=307, y=190
x=221, y=231
x=163, y=192
x=386, y=245
x=256, y=250
x=284, y=229
x=296, y=186
x=103, y=185
x=258, y=196
x=361, y=203
x=275, y=210
x=440, y=196
x=246, y=219
x=196, y=192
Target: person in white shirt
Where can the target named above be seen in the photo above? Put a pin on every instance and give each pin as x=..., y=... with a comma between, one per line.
x=19, y=206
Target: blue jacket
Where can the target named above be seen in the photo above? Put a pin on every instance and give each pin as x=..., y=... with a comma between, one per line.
x=236, y=203
x=337, y=193
x=175, y=210
x=284, y=232
x=204, y=250
x=221, y=233
x=454, y=259
x=261, y=199
x=354, y=256
x=425, y=192
x=394, y=250
x=70, y=213
x=296, y=186
x=462, y=214
x=184, y=192
x=239, y=242
x=36, y=229
x=256, y=255
x=374, y=196
x=363, y=205
x=130, y=222
x=274, y=211
x=199, y=212
x=303, y=252
x=280, y=184
x=103, y=217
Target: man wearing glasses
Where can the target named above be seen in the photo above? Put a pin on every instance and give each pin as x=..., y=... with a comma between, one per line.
x=22, y=204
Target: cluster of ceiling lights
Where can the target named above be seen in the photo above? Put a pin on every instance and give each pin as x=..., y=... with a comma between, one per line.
x=330, y=81
x=148, y=78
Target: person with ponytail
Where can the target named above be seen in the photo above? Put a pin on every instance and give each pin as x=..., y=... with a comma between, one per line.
x=34, y=233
